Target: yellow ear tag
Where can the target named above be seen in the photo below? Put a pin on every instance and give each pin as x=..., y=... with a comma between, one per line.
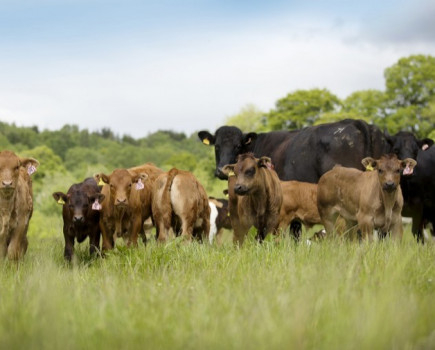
x=231, y=173
x=61, y=201
x=206, y=142
x=101, y=182
x=369, y=168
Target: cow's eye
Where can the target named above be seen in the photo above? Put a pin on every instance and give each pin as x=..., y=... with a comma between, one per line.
x=17, y=167
x=380, y=171
x=250, y=172
x=398, y=171
x=129, y=185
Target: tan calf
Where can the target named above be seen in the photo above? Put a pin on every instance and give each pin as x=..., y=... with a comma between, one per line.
x=255, y=196
x=16, y=203
x=127, y=204
x=299, y=205
x=180, y=203
x=370, y=199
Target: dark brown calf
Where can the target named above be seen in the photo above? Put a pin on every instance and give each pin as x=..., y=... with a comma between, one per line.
x=179, y=200
x=370, y=199
x=255, y=196
x=16, y=203
x=81, y=215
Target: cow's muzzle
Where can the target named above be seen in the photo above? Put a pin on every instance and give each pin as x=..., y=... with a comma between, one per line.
x=241, y=190
x=389, y=186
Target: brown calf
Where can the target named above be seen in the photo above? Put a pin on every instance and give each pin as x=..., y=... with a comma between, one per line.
x=179, y=199
x=16, y=203
x=255, y=196
x=371, y=199
x=299, y=205
x=127, y=203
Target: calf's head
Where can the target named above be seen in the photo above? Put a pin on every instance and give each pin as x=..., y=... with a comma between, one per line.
x=78, y=203
x=406, y=145
x=120, y=183
x=388, y=168
x=228, y=142
x=10, y=167
x=246, y=171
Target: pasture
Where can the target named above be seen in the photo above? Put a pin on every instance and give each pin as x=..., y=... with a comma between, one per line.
x=330, y=295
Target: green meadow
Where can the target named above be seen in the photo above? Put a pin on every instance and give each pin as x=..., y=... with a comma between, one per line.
x=332, y=294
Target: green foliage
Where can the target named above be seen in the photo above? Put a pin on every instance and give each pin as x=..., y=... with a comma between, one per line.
x=301, y=108
x=410, y=87
x=250, y=118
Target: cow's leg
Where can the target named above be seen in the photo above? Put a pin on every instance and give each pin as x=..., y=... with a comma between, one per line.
x=417, y=226
x=3, y=244
x=136, y=227
x=187, y=227
x=94, y=241
x=205, y=227
x=295, y=230
x=397, y=227
x=69, y=245
x=365, y=226
x=17, y=246
x=239, y=235
x=108, y=242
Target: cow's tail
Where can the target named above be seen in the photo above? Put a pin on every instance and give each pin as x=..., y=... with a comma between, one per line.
x=166, y=197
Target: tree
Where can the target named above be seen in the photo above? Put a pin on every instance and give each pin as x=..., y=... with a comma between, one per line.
x=410, y=88
x=301, y=108
x=250, y=118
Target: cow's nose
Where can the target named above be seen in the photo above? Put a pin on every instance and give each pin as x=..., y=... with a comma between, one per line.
x=121, y=200
x=78, y=218
x=7, y=183
x=389, y=186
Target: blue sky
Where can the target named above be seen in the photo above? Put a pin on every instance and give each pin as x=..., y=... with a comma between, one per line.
x=140, y=66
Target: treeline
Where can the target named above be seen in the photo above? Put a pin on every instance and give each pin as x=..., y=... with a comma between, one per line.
x=407, y=103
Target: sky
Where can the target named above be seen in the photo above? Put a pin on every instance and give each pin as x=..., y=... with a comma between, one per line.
x=141, y=66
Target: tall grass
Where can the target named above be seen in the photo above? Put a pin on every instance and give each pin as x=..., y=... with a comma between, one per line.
x=331, y=294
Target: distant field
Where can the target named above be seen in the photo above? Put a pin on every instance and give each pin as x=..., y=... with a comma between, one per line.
x=333, y=295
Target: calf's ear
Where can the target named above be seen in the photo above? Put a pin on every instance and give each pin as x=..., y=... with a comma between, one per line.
x=101, y=179
x=206, y=137
x=424, y=144
x=60, y=197
x=265, y=162
x=369, y=163
x=228, y=169
x=30, y=164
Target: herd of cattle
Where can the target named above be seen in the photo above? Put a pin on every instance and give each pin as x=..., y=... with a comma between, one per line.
x=348, y=176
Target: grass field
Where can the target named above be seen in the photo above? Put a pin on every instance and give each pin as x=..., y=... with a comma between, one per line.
x=330, y=295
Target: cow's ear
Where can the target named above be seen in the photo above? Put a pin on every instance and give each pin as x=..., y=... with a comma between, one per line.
x=424, y=144
x=225, y=192
x=265, y=162
x=30, y=164
x=139, y=179
x=104, y=179
x=408, y=166
x=369, y=163
x=249, y=138
x=60, y=197
x=228, y=169
x=206, y=137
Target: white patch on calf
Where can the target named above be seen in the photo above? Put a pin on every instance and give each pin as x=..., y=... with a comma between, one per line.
x=213, y=216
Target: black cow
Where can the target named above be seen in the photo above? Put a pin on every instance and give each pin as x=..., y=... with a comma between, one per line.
x=405, y=145
x=306, y=154
x=81, y=215
x=419, y=193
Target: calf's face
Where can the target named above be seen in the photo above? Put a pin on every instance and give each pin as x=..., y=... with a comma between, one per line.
x=78, y=203
x=388, y=168
x=121, y=182
x=246, y=172
x=10, y=165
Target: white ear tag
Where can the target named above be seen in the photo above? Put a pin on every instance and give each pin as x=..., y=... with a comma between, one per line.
x=96, y=205
x=139, y=185
x=31, y=169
